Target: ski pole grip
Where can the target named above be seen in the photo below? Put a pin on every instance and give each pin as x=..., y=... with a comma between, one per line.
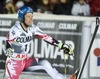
x=97, y=21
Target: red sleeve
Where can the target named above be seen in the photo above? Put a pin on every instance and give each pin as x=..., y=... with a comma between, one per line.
x=40, y=34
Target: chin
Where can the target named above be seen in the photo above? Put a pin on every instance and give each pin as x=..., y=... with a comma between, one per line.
x=30, y=25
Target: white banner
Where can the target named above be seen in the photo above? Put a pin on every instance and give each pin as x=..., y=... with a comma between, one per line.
x=95, y=54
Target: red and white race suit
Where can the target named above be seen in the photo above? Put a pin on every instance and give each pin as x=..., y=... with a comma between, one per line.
x=20, y=41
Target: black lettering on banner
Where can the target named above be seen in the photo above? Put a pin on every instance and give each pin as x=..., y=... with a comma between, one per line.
x=24, y=39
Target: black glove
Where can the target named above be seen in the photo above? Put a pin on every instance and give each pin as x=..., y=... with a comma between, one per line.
x=67, y=48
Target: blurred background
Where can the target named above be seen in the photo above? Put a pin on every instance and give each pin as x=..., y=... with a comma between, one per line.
x=59, y=7
x=69, y=21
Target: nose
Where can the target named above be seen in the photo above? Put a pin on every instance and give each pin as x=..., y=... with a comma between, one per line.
x=31, y=18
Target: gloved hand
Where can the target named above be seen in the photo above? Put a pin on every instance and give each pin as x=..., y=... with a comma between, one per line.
x=9, y=52
x=67, y=48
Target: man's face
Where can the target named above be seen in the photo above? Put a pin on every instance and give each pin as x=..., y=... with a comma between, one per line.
x=46, y=2
x=63, y=1
x=81, y=2
x=29, y=19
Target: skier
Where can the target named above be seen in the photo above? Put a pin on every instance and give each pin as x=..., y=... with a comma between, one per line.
x=18, y=47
